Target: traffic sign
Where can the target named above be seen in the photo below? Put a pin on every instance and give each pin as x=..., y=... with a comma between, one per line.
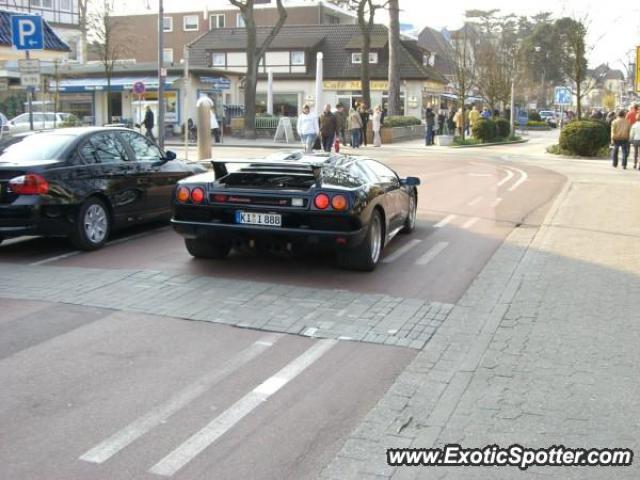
x=28, y=67
x=27, y=32
x=562, y=96
x=30, y=80
x=138, y=88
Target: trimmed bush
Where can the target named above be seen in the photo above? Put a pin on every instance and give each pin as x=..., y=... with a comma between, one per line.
x=70, y=121
x=535, y=117
x=584, y=138
x=503, y=128
x=484, y=130
x=400, y=121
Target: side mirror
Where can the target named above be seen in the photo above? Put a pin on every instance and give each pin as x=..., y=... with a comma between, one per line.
x=410, y=182
x=169, y=155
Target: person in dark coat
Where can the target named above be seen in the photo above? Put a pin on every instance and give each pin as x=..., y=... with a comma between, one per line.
x=328, y=128
x=364, y=115
x=430, y=119
x=148, y=123
x=341, y=123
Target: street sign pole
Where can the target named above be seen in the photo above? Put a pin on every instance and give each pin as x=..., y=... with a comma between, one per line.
x=161, y=74
x=29, y=97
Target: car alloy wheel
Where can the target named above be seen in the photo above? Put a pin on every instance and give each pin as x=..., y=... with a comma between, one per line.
x=95, y=224
x=376, y=238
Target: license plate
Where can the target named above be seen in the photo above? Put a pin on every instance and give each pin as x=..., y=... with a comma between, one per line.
x=256, y=218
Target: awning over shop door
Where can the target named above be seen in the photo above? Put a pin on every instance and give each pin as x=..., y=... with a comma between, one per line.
x=118, y=84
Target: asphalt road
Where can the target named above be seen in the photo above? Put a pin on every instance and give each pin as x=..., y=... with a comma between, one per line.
x=89, y=393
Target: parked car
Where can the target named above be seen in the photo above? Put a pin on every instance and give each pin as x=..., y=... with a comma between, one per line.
x=83, y=183
x=4, y=125
x=41, y=121
x=352, y=205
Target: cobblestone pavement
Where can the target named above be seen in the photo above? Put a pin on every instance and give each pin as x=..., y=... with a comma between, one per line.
x=542, y=350
x=337, y=314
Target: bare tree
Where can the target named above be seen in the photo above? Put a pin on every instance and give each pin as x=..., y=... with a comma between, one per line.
x=464, y=69
x=254, y=54
x=83, y=23
x=394, y=51
x=110, y=42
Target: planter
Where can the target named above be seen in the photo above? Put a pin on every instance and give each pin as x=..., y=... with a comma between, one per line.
x=401, y=134
x=444, y=140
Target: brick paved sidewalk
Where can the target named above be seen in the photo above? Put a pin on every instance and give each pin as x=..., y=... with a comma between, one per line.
x=542, y=350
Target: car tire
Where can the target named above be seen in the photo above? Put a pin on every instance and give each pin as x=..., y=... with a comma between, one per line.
x=92, y=226
x=209, y=249
x=410, y=221
x=366, y=257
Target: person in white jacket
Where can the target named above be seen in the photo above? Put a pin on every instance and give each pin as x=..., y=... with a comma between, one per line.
x=308, y=128
x=634, y=138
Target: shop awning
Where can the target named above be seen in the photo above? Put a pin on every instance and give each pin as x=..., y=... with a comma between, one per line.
x=455, y=97
x=118, y=84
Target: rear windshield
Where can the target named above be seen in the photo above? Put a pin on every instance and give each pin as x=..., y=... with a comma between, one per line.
x=35, y=147
x=269, y=181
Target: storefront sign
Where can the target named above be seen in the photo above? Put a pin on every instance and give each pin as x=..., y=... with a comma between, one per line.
x=434, y=87
x=219, y=83
x=377, y=85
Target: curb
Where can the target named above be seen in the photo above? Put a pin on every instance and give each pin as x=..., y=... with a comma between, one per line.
x=237, y=145
x=525, y=140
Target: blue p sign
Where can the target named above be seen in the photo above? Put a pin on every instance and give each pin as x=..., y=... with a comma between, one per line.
x=27, y=32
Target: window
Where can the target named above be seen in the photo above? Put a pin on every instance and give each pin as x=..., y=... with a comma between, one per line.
x=218, y=60
x=356, y=57
x=373, y=57
x=333, y=20
x=143, y=148
x=385, y=174
x=104, y=148
x=190, y=23
x=167, y=24
x=425, y=59
x=44, y=146
x=284, y=104
x=47, y=3
x=65, y=5
x=239, y=20
x=432, y=60
x=167, y=55
x=297, y=58
x=216, y=21
x=36, y=3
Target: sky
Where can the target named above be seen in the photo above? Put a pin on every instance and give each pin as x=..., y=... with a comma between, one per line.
x=614, y=29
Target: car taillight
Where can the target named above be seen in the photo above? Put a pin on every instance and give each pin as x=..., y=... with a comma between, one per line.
x=30, y=184
x=220, y=198
x=321, y=201
x=183, y=194
x=339, y=202
x=197, y=195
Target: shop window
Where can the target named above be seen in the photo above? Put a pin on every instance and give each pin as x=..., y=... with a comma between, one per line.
x=373, y=57
x=65, y=5
x=356, y=57
x=190, y=23
x=284, y=104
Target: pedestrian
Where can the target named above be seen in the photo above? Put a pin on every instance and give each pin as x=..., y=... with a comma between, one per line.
x=308, y=128
x=632, y=116
x=620, y=129
x=442, y=120
x=611, y=116
x=486, y=113
x=474, y=116
x=215, y=127
x=430, y=120
x=376, y=124
x=634, y=138
x=459, y=121
x=341, y=123
x=365, y=113
x=355, y=126
x=148, y=123
x=328, y=128
x=451, y=123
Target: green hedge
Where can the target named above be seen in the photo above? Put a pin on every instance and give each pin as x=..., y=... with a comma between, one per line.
x=484, y=130
x=503, y=128
x=400, y=121
x=535, y=117
x=584, y=137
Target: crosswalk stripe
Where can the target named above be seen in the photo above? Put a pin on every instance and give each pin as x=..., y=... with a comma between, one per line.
x=105, y=450
x=432, y=253
x=470, y=223
x=401, y=251
x=475, y=201
x=445, y=221
x=193, y=446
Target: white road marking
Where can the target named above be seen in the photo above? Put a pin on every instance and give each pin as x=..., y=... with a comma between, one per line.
x=475, y=201
x=13, y=241
x=470, y=223
x=401, y=251
x=108, y=244
x=432, y=253
x=106, y=449
x=198, y=442
x=480, y=174
x=507, y=178
x=521, y=180
x=445, y=221
x=496, y=202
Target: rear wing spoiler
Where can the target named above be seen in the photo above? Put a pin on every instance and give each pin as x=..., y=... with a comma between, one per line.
x=266, y=165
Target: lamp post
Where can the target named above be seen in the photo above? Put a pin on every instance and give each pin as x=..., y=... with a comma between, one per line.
x=161, y=74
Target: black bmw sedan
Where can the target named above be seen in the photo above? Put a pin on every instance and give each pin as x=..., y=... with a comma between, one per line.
x=352, y=205
x=83, y=183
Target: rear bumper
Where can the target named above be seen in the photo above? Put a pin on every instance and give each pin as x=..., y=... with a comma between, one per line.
x=229, y=232
x=18, y=220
